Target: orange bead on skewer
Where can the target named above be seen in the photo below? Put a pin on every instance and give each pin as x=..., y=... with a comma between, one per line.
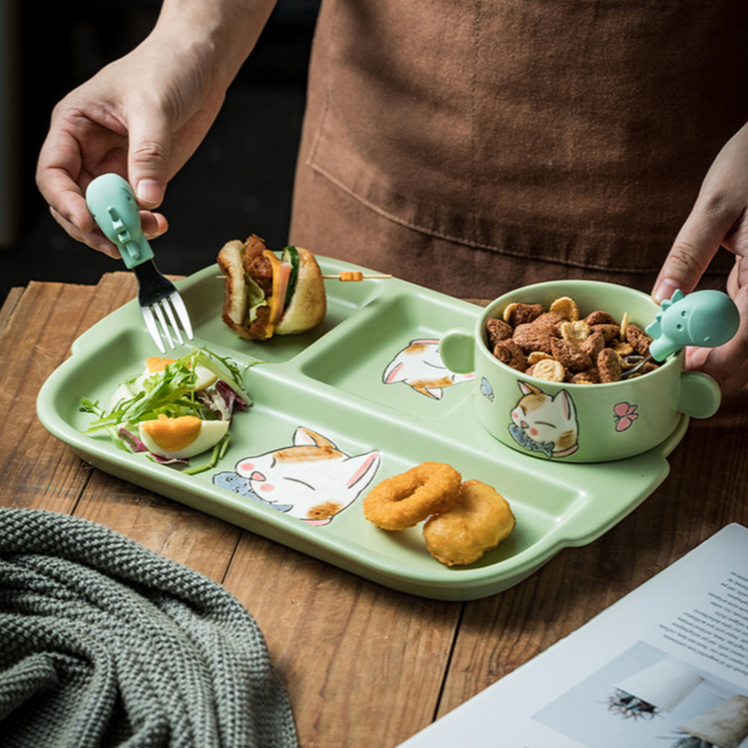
x=353, y=275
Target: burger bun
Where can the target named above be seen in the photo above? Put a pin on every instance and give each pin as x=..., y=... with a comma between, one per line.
x=308, y=305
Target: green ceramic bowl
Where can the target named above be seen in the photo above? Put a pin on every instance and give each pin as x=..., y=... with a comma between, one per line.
x=578, y=422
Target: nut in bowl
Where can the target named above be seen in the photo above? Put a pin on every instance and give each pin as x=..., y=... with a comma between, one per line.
x=557, y=388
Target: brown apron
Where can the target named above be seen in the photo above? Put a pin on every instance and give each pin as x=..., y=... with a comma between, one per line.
x=477, y=145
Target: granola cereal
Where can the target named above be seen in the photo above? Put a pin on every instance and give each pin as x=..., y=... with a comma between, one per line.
x=549, y=370
x=560, y=346
x=591, y=376
x=530, y=337
x=575, y=332
x=609, y=331
x=600, y=318
x=624, y=325
x=638, y=339
x=593, y=345
x=498, y=330
x=609, y=366
x=566, y=307
x=621, y=348
x=549, y=323
x=509, y=353
x=520, y=314
x=569, y=356
x=536, y=356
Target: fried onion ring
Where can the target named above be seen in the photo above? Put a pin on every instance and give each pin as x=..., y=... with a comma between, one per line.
x=406, y=499
x=478, y=521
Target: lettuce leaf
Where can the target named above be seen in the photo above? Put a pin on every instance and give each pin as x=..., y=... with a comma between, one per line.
x=256, y=298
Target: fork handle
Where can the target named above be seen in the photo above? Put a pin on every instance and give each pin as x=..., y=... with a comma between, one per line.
x=113, y=205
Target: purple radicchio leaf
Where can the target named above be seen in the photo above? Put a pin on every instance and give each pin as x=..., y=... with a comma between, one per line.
x=169, y=460
x=136, y=445
x=232, y=400
x=132, y=441
x=214, y=402
x=222, y=400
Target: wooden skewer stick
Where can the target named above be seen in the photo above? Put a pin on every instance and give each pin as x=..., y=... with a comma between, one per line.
x=353, y=275
x=345, y=275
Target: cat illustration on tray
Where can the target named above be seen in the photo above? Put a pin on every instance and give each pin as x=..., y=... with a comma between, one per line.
x=420, y=366
x=311, y=480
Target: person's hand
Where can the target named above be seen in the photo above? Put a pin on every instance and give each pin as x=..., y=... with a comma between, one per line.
x=142, y=117
x=145, y=114
x=718, y=218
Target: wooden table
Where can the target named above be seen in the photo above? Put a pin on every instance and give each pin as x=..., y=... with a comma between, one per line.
x=364, y=666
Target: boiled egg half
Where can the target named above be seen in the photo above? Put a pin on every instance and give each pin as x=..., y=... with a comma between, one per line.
x=182, y=437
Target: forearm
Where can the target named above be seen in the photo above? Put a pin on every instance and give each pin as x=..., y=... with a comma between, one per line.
x=222, y=31
x=143, y=115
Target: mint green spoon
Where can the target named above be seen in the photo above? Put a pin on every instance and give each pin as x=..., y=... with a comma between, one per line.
x=705, y=319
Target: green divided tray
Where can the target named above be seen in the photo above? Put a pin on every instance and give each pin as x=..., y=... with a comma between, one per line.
x=336, y=411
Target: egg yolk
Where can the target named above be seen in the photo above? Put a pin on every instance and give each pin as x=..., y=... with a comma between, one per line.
x=173, y=434
x=156, y=363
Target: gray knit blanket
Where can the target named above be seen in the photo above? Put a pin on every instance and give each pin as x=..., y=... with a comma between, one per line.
x=106, y=643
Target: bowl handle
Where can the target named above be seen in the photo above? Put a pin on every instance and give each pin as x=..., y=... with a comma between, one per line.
x=700, y=395
x=457, y=351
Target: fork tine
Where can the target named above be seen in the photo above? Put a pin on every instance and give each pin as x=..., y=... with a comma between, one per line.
x=164, y=327
x=172, y=319
x=182, y=312
x=150, y=323
x=160, y=296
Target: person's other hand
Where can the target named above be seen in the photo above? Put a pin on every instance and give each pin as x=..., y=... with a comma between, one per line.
x=718, y=218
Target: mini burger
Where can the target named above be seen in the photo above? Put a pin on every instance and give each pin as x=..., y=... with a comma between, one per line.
x=265, y=295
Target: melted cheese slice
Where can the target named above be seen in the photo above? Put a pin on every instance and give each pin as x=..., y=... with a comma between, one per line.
x=281, y=276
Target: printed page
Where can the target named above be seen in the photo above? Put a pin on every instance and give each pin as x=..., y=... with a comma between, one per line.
x=668, y=661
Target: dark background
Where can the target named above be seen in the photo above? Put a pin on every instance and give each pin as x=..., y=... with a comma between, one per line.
x=238, y=182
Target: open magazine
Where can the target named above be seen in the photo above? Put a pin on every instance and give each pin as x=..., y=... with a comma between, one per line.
x=666, y=666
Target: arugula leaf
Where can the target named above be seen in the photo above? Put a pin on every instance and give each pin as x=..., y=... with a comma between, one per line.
x=87, y=406
x=218, y=452
x=170, y=392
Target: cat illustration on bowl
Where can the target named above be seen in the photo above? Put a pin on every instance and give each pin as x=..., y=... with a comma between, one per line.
x=545, y=423
x=311, y=480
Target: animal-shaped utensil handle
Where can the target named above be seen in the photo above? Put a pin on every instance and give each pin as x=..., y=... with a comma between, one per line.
x=706, y=319
x=113, y=205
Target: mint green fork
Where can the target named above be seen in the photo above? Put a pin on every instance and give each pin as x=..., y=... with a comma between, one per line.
x=114, y=208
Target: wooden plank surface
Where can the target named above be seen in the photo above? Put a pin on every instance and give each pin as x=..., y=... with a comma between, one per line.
x=365, y=666
x=348, y=650
x=707, y=489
